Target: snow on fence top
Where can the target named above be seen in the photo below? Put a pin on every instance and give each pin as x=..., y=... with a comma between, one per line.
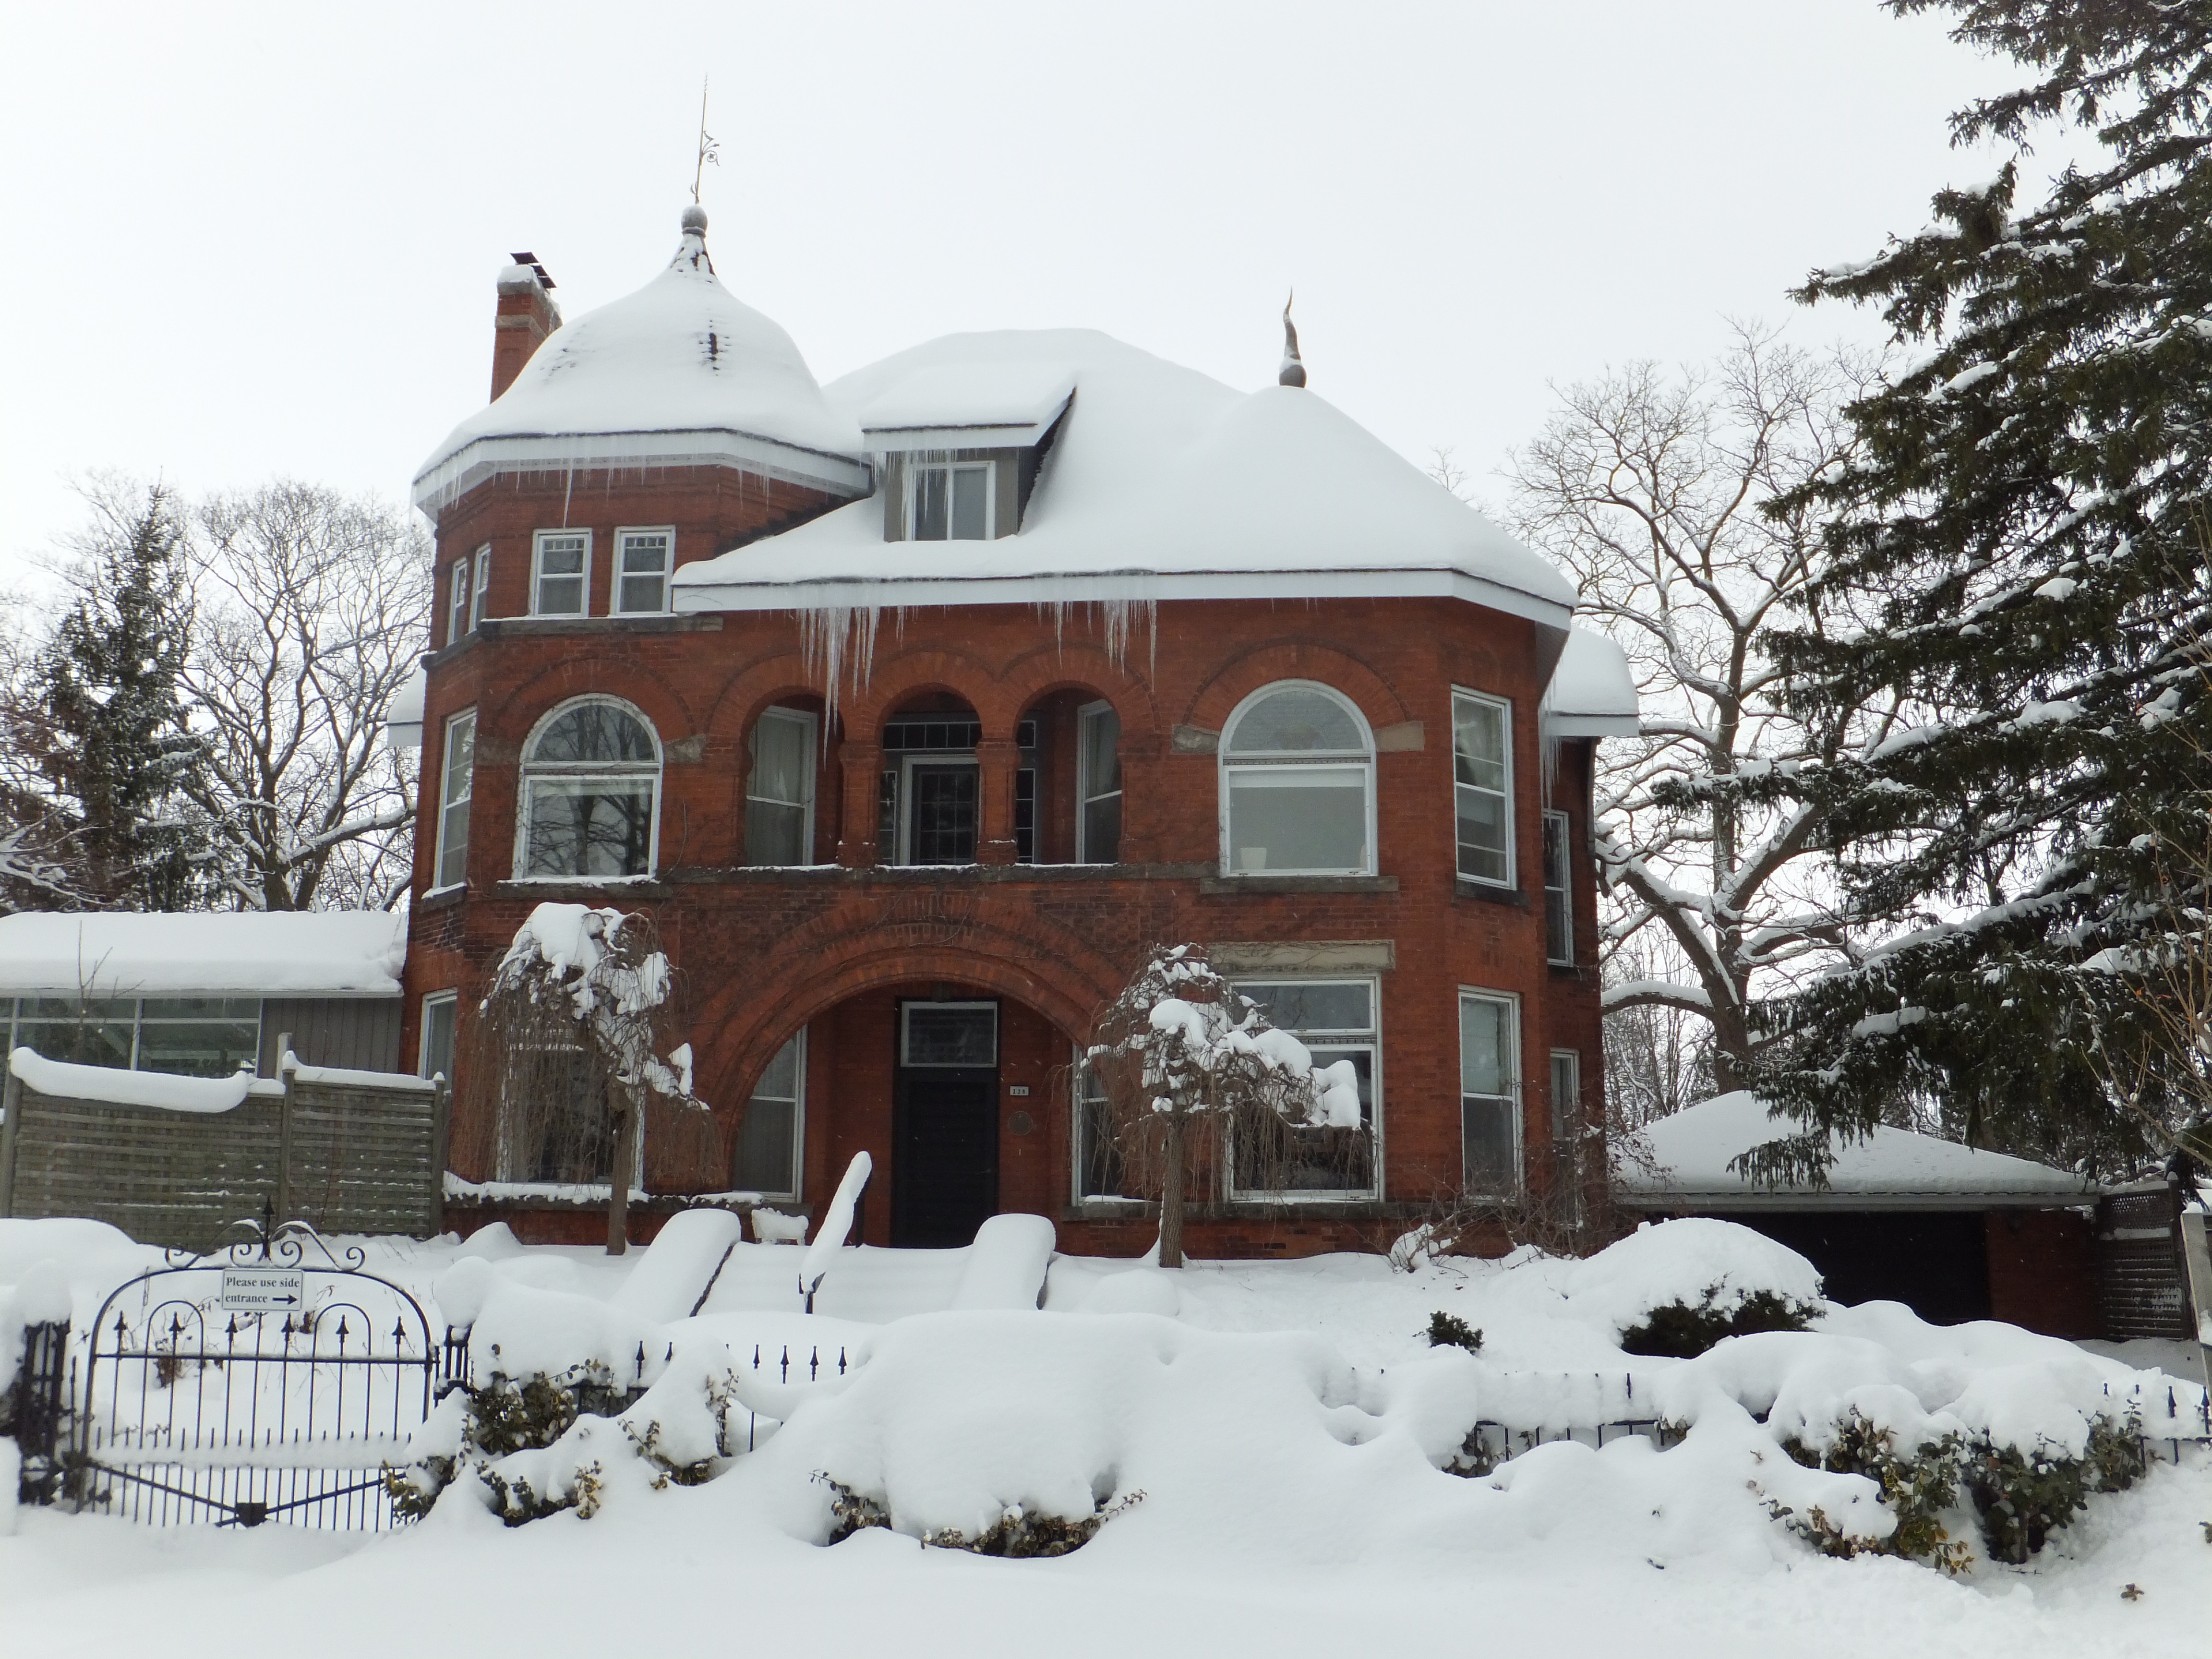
x=1891, y=1169
x=677, y=374
x=60, y=1081
x=328, y=953
x=1162, y=483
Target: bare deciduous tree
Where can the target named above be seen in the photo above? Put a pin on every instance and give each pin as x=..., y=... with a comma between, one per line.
x=1656, y=489
x=312, y=609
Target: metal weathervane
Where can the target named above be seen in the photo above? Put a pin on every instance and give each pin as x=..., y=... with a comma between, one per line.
x=710, y=149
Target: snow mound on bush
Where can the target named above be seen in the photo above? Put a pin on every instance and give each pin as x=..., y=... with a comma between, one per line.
x=1679, y=1262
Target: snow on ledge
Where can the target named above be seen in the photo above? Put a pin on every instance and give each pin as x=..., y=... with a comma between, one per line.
x=342, y=1075
x=105, y=1086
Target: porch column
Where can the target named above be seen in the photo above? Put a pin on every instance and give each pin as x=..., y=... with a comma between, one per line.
x=856, y=834
x=997, y=759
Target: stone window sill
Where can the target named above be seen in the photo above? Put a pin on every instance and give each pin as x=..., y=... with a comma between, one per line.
x=1483, y=892
x=1222, y=885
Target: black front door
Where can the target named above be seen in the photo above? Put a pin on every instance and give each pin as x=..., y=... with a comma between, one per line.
x=944, y=1163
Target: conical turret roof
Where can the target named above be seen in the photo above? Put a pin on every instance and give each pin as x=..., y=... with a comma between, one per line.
x=680, y=372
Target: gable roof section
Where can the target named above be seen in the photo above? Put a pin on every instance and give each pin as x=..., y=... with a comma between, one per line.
x=679, y=373
x=980, y=405
x=1891, y=1170
x=308, y=953
x=1162, y=483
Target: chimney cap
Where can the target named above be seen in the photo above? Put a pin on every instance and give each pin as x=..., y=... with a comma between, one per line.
x=536, y=269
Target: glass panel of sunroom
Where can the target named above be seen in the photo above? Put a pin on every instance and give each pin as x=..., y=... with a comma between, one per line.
x=1298, y=820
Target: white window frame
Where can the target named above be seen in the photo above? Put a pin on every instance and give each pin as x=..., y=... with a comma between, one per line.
x=1562, y=1127
x=447, y=800
x=1566, y=889
x=905, y=1012
x=908, y=760
x=812, y=723
x=1323, y=1040
x=432, y=1000
x=916, y=467
x=622, y=536
x=1513, y=1096
x=1462, y=694
x=1277, y=761
x=456, y=607
x=791, y=1193
x=593, y=772
x=478, y=599
x=1079, y=1074
x=537, y=540
x=1084, y=717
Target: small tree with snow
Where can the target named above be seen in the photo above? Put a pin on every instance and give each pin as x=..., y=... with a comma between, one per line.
x=572, y=1052
x=1191, y=1070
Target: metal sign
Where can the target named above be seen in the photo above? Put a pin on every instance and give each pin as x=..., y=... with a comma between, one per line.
x=263, y=1290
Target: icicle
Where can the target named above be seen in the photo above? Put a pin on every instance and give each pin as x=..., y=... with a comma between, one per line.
x=825, y=633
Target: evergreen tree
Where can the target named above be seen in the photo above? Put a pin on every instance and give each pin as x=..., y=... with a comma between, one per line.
x=115, y=745
x=2025, y=532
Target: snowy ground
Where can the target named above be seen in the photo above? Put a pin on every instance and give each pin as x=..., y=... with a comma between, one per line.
x=1276, y=1415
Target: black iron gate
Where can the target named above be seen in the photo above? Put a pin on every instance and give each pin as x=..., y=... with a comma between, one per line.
x=257, y=1385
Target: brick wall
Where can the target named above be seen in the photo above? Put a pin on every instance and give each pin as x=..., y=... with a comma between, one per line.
x=766, y=951
x=2041, y=1271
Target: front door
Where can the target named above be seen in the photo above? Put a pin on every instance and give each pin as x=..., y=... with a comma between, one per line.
x=941, y=812
x=944, y=1153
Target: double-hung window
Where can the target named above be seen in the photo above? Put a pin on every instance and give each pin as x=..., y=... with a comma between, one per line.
x=1335, y=1018
x=771, y=1133
x=1101, y=1166
x=1566, y=1131
x=948, y=501
x=780, y=792
x=439, y=1011
x=481, y=597
x=1298, y=785
x=456, y=783
x=590, y=787
x=643, y=559
x=1558, y=894
x=1489, y=1094
x=457, y=615
x=561, y=582
x=1482, y=786
x=1097, y=785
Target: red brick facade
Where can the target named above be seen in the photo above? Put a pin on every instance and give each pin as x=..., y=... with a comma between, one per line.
x=832, y=949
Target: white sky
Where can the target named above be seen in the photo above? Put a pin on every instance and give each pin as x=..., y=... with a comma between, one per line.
x=248, y=241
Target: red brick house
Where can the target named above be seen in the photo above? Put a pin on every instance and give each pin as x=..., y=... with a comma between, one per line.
x=914, y=710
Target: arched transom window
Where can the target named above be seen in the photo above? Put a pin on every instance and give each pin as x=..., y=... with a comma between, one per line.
x=1298, y=785
x=590, y=791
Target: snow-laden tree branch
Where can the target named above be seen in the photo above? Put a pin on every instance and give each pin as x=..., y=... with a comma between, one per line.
x=1655, y=489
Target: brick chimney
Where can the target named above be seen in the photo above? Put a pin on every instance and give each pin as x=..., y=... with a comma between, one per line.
x=526, y=315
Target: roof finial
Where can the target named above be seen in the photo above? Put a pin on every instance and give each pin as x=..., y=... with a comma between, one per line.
x=1293, y=371
x=710, y=151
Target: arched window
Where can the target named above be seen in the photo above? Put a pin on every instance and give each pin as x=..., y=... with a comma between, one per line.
x=1298, y=785
x=590, y=791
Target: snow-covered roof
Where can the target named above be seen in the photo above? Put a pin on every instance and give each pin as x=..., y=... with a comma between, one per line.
x=403, y=715
x=321, y=953
x=1892, y=1168
x=678, y=373
x=1592, y=694
x=1161, y=483
x=975, y=405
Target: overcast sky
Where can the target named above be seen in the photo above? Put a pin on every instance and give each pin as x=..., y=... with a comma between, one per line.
x=244, y=242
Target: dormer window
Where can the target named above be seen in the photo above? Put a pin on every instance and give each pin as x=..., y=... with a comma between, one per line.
x=948, y=501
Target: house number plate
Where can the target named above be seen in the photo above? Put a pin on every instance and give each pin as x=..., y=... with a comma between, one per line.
x=262, y=1290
